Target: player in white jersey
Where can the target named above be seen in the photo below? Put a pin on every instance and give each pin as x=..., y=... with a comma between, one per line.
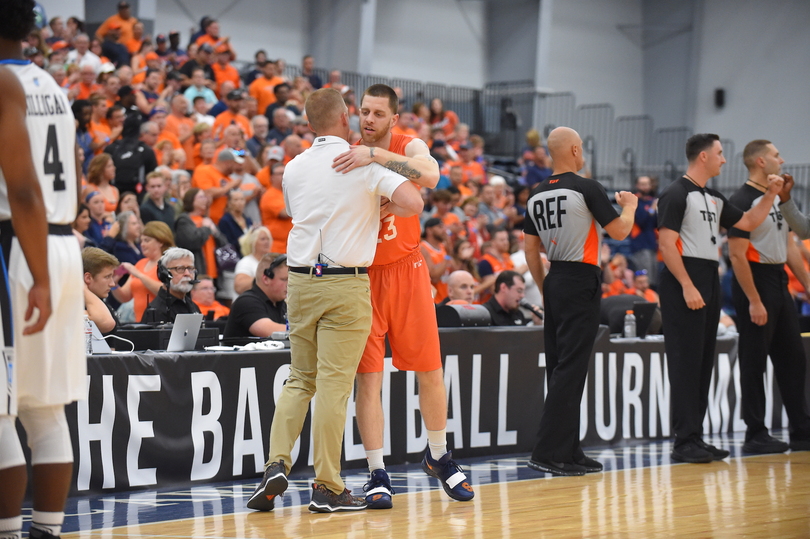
x=51, y=365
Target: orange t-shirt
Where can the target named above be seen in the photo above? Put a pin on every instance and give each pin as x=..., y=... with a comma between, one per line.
x=126, y=25
x=497, y=267
x=207, y=248
x=397, y=130
x=448, y=123
x=206, y=177
x=399, y=236
x=471, y=171
x=437, y=256
x=219, y=309
x=86, y=89
x=173, y=125
x=223, y=73
x=101, y=134
x=225, y=119
x=140, y=294
x=215, y=43
x=134, y=45
x=264, y=177
x=261, y=90
x=271, y=204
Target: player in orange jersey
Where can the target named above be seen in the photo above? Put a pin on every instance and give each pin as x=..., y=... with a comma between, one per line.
x=399, y=276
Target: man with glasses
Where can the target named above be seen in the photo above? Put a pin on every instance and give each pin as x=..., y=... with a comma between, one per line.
x=261, y=310
x=176, y=272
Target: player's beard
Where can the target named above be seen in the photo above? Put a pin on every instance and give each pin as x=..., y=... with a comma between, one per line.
x=377, y=136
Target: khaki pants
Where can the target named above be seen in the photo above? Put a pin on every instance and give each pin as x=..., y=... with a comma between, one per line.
x=330, y=319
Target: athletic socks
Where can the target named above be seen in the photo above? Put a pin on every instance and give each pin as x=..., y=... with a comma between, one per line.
x=11, y=528
x=50, y=522
x=437, y=441
x=375, y=460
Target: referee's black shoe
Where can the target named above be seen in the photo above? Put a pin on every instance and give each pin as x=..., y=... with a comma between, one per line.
x=763, y=443
x=274, y=483
x=717, y=453
x=691, y=451
x=557, y=468
x=590, y=465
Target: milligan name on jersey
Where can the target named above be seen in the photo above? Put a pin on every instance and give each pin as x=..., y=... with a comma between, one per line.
x=44, y=105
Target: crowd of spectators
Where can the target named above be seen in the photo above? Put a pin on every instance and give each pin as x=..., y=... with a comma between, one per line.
x=183, y=138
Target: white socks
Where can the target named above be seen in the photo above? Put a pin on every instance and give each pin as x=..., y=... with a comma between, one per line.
x=437, y=441
x=375, y=460
x=50, y=522
x=11, y=528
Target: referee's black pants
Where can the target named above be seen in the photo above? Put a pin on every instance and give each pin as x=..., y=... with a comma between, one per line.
x=571, y=294
x=689, y=340
x=779, y=337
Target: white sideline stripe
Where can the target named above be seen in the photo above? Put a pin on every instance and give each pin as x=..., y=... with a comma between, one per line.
x=455, y=479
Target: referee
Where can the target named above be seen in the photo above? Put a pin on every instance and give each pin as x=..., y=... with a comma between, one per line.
x=334, y=236
x=689, y=219
x=565, y=214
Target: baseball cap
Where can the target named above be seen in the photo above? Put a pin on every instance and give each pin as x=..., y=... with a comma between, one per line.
x=465, y=146
x=235, y=94
x=433, y=221
x=276, y=153
x=223, y=49
x=497, y=180
x=206, y=47
x=157, y=110
x=438, y=144
x=59, y=45
x=161, y=38
x=29, y=52
x=174, y=33
x=122, y=5
x=229, y=155
x=151, y=56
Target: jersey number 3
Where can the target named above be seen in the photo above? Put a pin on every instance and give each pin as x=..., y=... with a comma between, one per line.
x=52, y=164
x=390, y=231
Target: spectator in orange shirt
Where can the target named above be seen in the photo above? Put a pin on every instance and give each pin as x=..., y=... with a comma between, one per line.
x=216, y=182
x=134, y=44
x=443, y=205
x=98, y=127
x=274, y=212
x=87, y=83
x=293, y=146
x=404, y=125
x=223, y=70
x=204, y=295
x=334, y=81
x=211, y=37
x=434, y=251
x=262, y=87
x=178, y=123
x=473, y=171
x=269, y=157
x=461, y=136
x=111, y=87
x=124, y=20
x=641, y=287
x=445, y=120
x=232, y=116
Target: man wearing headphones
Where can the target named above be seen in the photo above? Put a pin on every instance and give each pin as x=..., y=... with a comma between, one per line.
x=176, y=271
x=261, y=310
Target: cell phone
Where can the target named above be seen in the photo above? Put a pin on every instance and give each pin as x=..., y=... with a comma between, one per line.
x=121, y=270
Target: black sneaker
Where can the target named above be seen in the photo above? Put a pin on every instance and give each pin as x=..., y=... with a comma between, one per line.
x=449, y=474
x=36, y=533
x=378, y=491
x=763, y=443
x=273, y=484
x=590, y=465
x=799, y=445
x=717, y=453
x=326, y=501
x=557, y=468
x=691, y=451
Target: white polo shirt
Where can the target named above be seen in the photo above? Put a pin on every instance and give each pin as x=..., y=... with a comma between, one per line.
x=333, y=213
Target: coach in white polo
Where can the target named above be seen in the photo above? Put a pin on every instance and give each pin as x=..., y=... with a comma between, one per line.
x=335, y=220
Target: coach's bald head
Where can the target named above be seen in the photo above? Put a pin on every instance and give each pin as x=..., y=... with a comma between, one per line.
x=327, y=113
x=565, y=148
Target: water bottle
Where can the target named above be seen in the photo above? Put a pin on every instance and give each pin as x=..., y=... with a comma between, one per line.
x=88, y=336
x=629, y=325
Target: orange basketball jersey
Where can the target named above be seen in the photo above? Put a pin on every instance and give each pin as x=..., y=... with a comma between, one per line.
x=399, y=236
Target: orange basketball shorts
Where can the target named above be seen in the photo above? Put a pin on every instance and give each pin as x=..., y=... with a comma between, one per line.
x=403, y=309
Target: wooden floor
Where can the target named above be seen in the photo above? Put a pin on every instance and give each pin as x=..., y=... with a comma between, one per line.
x=763, y=496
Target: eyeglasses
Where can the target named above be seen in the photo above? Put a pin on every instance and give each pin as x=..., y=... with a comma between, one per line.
x=180, y=270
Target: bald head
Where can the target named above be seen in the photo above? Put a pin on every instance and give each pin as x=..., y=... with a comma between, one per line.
x=461, y=286
x=565, y=148
x=325, y=110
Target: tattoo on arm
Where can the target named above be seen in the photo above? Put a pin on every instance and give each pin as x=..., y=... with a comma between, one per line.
x=402, y=168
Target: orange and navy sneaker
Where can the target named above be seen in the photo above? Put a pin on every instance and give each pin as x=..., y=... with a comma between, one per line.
x=449, y=474
x=274, y=483
x=378, y=490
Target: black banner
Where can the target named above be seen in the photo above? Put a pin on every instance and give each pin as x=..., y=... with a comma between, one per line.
x=156, y=420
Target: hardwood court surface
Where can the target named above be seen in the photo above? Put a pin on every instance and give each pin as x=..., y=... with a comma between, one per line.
x=640, y=496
